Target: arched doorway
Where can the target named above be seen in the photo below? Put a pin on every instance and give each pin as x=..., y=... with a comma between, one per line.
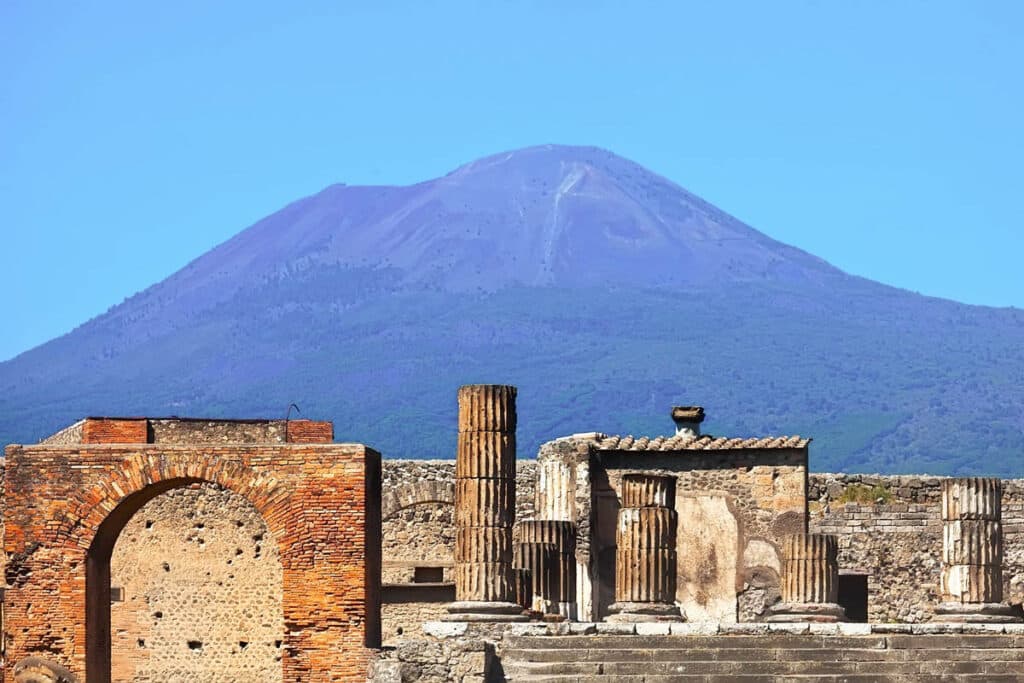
x=186, y=634
x=67, y=505
x=196, y=582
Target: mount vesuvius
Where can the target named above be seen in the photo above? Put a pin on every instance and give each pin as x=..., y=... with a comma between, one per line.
x=605, y=292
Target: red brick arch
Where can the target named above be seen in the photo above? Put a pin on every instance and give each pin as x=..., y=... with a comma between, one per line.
x=66, y=506
x=146, y=476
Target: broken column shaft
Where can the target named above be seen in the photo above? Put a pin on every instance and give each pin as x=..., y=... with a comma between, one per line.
x=645, y=554
x=522, y=586
x=810, y=579
x=561, y=535
x=972, y=552
x=541, y=561
x=485, y=470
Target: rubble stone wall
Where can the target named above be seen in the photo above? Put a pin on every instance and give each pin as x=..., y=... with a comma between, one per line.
x=201, y=586
x=896, y=541
x=214, y=431
x=890, y=528
x=419, y=531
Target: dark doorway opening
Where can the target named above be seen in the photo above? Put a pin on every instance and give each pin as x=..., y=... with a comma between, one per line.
x=428, y=575
x=853, y=596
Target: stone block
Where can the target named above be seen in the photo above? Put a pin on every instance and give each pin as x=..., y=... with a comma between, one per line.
x=696, y=628
x=445, y=629
x=653, y=628
x=936, y=628
x=527, y=629
x=743, y=628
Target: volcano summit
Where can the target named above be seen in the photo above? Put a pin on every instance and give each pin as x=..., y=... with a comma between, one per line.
x=605, y=292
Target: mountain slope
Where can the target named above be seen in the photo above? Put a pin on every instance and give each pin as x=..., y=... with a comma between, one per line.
x=605, y=292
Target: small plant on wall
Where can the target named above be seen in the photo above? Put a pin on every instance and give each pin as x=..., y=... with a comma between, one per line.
x=862, y=494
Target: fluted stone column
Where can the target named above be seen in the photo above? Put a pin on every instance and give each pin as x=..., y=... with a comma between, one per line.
x=648, y=490
x=972, y=552
x=556, y=490
x=522, y=586
x=541, y=561
x=562, y=536
x=485, y=492
x=645, y=553
x=810, y=579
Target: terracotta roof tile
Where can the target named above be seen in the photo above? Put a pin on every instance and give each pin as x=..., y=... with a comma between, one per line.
x=704, y=442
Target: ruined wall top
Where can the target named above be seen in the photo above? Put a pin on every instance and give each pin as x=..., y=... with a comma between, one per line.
x=188, y=431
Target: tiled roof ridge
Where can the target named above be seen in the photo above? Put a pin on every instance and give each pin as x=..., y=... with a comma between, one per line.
x=703, y=442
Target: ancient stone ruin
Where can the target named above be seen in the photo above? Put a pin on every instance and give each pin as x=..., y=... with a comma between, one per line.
x=314, y=506
x=485, y=491
x=167, y=549
x=810, y=580
x=645, y=554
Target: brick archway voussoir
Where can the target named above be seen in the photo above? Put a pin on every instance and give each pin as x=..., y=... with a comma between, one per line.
x=264, y=493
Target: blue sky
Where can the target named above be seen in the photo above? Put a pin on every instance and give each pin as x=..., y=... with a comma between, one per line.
x=885, y=137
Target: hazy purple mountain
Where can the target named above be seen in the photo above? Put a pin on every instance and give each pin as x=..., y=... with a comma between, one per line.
x=543, y=216
x=605, y=291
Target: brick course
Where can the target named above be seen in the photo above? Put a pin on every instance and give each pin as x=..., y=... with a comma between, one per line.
x=103, y=430
x=308, y=431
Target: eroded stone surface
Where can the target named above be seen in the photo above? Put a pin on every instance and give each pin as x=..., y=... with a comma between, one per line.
x=708, y=539
x=201, y=581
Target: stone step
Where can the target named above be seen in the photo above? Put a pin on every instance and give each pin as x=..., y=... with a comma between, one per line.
x=782, y=641
x=754, y=678
x=625, y=642
x=763, y=655
x=957, y=658
x=756, y=668
x=705, y=654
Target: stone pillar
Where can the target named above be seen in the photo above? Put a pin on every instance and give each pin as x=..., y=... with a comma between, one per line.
x=972, y=552
x=541, y=561
x=562, y=536
x=556, y=489
x=485, y=492
x=522, y=586
x=810, y=579
x=645, y=553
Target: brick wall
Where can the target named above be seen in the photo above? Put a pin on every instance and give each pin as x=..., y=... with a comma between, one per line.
x=193, y=431
x=101, y=430
x=65, y=504
x=309, y=431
